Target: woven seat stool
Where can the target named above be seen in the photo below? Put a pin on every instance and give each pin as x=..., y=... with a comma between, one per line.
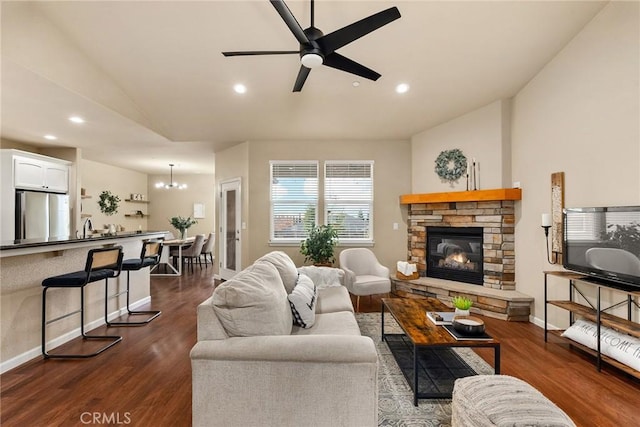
x=149, y=257
x=501, y=400
x=102, y=264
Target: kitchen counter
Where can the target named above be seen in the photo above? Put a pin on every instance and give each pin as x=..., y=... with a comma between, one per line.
x=32, y=246
x=24, y=264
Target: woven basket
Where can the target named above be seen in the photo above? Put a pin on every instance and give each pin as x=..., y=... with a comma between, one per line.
x=401, y=276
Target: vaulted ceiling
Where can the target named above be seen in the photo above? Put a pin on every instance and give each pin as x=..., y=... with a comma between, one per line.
x=150, y=80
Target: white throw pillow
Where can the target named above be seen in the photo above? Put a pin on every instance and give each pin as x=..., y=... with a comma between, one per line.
x=621, y=347
x=303, y=301
x=323, y=277
x=286, y=268
x=253, y=303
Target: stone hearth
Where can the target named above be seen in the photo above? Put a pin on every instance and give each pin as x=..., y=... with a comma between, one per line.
x=501, y=304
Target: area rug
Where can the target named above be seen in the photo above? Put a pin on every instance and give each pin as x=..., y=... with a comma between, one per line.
x=395, y=398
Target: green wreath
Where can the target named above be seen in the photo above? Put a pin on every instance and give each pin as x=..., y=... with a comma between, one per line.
x=451, y=164
x=108, y=203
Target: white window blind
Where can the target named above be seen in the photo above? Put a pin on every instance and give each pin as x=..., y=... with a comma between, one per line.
x=294, y=199
x=348, y=199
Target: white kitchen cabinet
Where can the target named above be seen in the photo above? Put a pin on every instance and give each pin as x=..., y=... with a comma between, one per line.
x=37, y=174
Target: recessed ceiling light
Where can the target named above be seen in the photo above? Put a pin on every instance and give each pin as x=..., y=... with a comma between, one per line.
x=402, y=88
x=240, y=88
x=50, y=137
x=356, y=83
x=76, y=119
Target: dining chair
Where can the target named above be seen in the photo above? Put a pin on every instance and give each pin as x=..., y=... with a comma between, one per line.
x=192, y=253
x=207, y=249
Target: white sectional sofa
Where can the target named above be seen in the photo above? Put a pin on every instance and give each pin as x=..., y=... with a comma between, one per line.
x=252, y=366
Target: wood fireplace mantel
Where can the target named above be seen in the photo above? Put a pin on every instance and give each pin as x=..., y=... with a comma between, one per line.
x=463, y=196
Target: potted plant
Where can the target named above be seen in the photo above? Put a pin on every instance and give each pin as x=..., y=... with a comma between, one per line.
x=320, y=244
x=462, y=305
x=182, y=224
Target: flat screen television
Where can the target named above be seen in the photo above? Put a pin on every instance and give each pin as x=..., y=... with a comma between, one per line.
x=603, y=243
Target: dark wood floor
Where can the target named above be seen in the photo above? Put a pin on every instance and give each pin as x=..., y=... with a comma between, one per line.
x=146, y=379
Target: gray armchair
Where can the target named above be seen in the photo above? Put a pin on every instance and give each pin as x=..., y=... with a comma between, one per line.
x=364, y=274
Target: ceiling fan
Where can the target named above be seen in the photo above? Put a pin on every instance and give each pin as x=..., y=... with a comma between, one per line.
x=319, y=49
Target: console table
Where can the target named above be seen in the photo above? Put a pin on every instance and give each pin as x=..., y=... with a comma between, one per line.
x=594, y=312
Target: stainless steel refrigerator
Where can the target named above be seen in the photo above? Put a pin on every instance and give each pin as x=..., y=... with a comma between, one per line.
x=42, y=215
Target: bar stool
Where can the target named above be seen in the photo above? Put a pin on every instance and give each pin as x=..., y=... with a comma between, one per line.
x=149, y=257
x=101, y=264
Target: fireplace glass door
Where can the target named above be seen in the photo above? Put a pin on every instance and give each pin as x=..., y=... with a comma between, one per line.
x=455, y=253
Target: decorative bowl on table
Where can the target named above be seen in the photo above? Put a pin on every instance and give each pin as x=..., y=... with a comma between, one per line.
x=468, y=325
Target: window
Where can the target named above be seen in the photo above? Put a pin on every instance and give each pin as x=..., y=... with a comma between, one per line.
x=348, y=199
x=294, y=199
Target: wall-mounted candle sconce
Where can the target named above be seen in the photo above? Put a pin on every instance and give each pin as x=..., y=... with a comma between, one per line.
x=546, y=224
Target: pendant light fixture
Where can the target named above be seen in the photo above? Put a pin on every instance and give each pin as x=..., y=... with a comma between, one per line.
x=172, y=183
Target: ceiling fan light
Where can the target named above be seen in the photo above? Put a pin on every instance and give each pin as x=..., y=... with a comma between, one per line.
x=311, y=60
x=402, y=88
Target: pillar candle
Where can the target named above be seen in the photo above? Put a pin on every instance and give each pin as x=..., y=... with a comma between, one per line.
x=546, y=220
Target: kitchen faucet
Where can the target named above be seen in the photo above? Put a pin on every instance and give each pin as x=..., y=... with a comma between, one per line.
x=84, y=227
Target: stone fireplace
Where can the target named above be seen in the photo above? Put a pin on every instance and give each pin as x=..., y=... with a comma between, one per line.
x=482, y=224
x=494, y=218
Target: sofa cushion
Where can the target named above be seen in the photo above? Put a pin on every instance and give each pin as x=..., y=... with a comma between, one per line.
x=369, y=285
x=303, y=301
x=323, y=276
x=253, y=303
x=333, y=299
x=285, y=266
x=340, y=323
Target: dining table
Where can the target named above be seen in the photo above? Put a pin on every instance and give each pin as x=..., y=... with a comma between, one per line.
x=169, y=269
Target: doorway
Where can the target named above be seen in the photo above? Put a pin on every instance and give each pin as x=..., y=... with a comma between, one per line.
x=230, y=222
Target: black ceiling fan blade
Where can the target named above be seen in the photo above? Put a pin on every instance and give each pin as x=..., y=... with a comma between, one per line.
x=302, y=77
x=339, y=62
x=261, y=52
x=346, y=35
x=290, y=20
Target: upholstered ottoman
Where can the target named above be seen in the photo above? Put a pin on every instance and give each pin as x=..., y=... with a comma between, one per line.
x=501, y=400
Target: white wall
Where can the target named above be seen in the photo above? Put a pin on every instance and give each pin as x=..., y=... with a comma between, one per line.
x=391, y=179
x=98, y=177
x=580, y=115
x=480, y=134
x=167, y=203
x=233, y=163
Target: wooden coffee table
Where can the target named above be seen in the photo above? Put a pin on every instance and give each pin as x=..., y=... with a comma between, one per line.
x=424, y=351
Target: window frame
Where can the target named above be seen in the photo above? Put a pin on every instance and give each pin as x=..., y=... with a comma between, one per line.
x=347, y=241
x=290, y=241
